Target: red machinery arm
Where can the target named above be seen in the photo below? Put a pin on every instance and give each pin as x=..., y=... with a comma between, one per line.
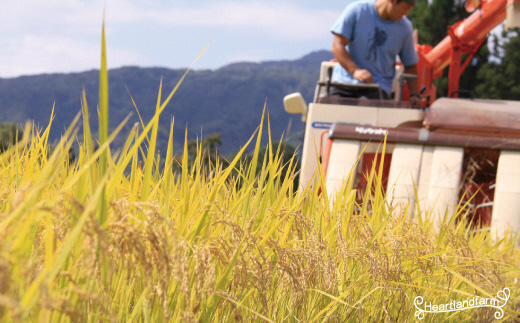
x=464, y=37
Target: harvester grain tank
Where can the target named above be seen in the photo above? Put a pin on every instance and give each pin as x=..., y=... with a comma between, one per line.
x=430, y=150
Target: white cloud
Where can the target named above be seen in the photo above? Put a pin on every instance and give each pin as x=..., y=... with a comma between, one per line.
x=50, y=54
x=283, y=19
x=280, y=19
x=65, y=16
x=64, y=35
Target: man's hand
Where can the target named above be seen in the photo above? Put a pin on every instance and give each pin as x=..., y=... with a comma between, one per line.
x=363, y=76
x=415, y=98
x=340, y=52
x=415, y=101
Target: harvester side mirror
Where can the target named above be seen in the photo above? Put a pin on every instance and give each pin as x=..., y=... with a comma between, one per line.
x=294, y=103
x=512, y=14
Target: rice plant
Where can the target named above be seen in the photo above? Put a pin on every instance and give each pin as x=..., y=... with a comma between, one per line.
x=87, y=242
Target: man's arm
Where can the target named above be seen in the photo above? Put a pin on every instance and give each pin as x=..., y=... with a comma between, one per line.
x=415, y=100
x=339, y=43
x=412, y=84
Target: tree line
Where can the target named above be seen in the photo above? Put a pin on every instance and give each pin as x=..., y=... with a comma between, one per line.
x=494, y=73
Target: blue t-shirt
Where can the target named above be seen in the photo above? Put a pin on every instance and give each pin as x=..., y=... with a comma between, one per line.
x=374, y=43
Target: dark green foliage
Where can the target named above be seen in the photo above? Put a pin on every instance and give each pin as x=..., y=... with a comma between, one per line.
x=71, y=156
x=286, y=151
x=501, y=80
x=208, y=146
x=10, y=133
x=209, y=152
x=208, y=143
x=432, y=21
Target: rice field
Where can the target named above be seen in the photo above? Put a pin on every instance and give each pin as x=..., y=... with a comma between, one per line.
x=90, y=242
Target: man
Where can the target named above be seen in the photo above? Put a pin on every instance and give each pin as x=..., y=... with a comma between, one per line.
x=367, y=38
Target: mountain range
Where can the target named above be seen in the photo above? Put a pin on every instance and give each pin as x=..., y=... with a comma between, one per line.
x=228, y=100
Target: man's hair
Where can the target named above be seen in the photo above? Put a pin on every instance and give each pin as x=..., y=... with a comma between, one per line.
x=410, y=2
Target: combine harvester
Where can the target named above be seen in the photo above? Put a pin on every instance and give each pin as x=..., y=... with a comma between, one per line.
x=432, y=149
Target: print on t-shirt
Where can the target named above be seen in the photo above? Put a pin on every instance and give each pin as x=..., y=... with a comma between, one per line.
x=379, y=39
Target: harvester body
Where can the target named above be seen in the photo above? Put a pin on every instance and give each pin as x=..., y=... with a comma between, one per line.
x=447, y=150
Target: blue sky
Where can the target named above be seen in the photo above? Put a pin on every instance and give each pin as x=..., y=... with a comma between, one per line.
x=48, y=36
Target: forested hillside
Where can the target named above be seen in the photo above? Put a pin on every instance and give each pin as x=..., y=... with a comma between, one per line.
x=228, y=100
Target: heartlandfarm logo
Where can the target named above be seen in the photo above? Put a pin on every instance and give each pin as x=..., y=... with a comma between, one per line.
x=496, y=302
